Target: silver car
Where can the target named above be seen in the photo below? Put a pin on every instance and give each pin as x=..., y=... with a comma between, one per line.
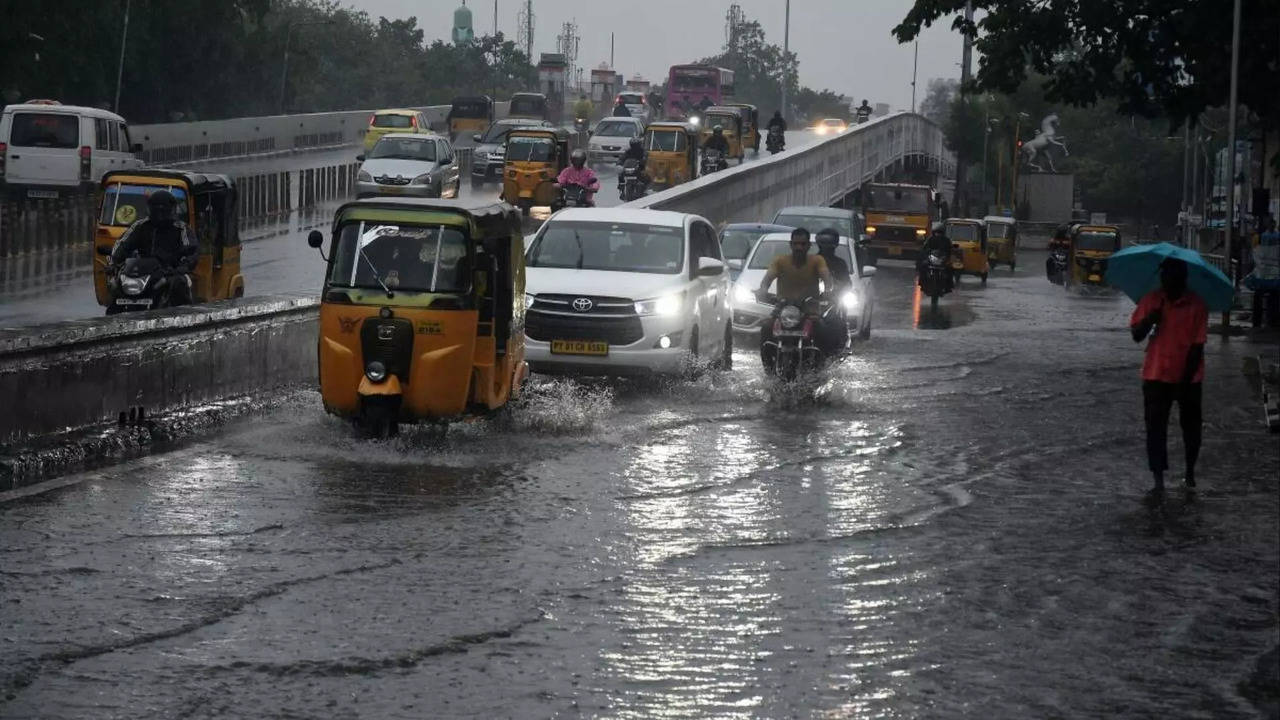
x=610, y=138
x=409, y=164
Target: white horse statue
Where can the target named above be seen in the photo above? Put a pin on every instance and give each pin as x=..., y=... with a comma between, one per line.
x=1039, y=145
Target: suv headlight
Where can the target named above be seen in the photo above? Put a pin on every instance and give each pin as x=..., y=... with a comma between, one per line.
x=423, y=179
x=666, y=306
x=364, y=176
x=849, y=300
x=743, y=294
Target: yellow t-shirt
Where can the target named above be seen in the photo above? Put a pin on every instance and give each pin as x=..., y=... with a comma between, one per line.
x=798, y=283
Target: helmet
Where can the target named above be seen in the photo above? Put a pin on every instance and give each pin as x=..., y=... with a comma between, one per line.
x=828, y=237
x=636, y=143
x=160, y=206
x=578, y=158
x=718, y=129
x=937, y=228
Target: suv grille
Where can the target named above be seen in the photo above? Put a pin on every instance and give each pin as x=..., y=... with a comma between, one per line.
x=600, y=304
x=615, y=330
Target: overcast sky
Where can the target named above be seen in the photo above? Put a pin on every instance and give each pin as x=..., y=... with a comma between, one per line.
x=843, y=45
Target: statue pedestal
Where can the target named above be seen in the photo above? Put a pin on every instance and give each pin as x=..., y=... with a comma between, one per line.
x=1045, y=197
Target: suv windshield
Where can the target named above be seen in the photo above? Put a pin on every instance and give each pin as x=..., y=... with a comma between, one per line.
x=51, y=130
x=405, y=149
x=814, y=223
x=631, y=99
x=615, y=128
x=621, y=247
x=392, y=121
x=416, y=258
x=768, y=250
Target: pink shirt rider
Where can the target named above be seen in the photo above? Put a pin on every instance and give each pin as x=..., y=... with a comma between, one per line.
x=584, y=177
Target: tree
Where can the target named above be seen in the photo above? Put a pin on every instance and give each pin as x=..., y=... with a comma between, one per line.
x=1153, y=57
x=937, y=99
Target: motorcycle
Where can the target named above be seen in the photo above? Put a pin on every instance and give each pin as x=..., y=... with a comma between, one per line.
x=934, y=276
x=631, y=182
x=140, y=284
x=712, y=161
x=776, y=141
x=572, y=196
x=579, y=125
x=793, y=350
x=1057, y=266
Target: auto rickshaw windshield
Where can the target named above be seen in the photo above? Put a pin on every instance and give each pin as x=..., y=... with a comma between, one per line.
x=530, y=149
x=666, y=141
x=123, y=205
x=963, y=231
x=998, y=230
x=413, y=258
x=1096, y=241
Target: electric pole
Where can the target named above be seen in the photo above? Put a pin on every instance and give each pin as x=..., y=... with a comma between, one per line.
x=1232, y=273
x=786, y=62
x=961, y=198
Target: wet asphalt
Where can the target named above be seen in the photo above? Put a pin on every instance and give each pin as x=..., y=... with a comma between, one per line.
x=948, y=525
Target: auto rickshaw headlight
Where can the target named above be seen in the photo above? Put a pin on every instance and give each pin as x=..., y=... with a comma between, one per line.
x=375, y=371
x=871, y=229
x=919, y=232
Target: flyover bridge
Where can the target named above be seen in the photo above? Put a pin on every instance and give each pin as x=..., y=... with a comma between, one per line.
x=76, y=374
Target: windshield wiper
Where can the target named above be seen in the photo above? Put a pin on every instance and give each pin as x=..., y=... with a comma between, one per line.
x=580, y=250
x=376, y=275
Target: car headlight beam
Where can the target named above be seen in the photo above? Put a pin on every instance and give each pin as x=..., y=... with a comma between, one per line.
x=849, y=300
x=666, y=306
x=743, y=294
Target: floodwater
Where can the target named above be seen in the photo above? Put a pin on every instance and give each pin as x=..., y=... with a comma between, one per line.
x=948, y=525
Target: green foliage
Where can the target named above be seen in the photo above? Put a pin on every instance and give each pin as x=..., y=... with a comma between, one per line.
x=210, y=59
x=1152, y=57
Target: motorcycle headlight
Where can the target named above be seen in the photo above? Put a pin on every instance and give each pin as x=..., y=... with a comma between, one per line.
x=132, y=285
x=790, y=316
x=375, y=371
x=423, y=179
x=364, y=176
x=666, y=306
x=693, y=120
x=743, y=294
x=935, y=260
x=849, y=300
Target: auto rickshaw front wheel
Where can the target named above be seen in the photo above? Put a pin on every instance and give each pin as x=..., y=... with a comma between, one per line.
x=984, y=279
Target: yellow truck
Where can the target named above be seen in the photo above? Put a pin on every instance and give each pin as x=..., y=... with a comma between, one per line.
x=898, y=219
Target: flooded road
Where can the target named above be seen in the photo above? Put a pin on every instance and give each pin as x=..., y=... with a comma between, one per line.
x=949, y=526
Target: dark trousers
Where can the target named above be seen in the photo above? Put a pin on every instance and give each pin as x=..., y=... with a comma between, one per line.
x=1158, y=399
x=1266, y=308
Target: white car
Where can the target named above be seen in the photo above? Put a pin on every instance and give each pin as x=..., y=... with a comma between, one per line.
x=623, y=292
x=610, y=138
x=749, y=316
x=409, y=165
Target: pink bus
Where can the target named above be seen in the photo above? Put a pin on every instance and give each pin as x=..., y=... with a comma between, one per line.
x=690, y=88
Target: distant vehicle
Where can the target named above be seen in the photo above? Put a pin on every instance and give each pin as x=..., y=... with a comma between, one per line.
x=410, y=165
x=819, y=217
x=737, y=240
x=898, y=218
x=690, y=88
x=488, y=156
x=610, y=138
x=636, y=104
x=470, y=114
x=49, y=149
x=619, y=291
x=831, y=126
x=389, y=121
x=528, y=105
x=749, y=314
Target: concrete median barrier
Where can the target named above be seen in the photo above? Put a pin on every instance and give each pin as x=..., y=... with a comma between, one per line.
x=77, y=374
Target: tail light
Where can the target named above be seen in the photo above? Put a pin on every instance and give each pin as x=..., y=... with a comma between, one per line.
x=86, y=160
x=4, y=148
x=413, y=122
x=372, y=118
x=808, y=327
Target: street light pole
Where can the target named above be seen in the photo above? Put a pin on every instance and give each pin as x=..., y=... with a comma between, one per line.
x=1017, y=150
x=124, y=39
x=1231, y=158
x=786, y=48
x=915, y=64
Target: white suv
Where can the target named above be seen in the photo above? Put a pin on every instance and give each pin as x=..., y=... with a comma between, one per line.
x=622, y=292
x=49, y=149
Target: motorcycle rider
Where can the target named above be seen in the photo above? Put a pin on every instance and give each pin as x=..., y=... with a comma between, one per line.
x=797, y=275
x=777, y=121
x=835, y=329
x=864, y=111
x=620, y=109
x=162, y=236
x=939, y=241
x=1061, y=240
x=717, y=141
x=583, y=107
x=635, y=151
x=577, y=173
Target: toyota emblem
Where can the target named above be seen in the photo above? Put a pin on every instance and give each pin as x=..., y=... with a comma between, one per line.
x=583, y=304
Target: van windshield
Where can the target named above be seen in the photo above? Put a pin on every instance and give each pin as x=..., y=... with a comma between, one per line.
x=414, y=258
x=123, y=205
x=621, y=247
x=49, y=130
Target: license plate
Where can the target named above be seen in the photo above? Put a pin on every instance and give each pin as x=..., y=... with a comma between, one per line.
x=43, y=194
x=579, y=347
x=391, y=189
x=143, y=302
x=789, y=333
x=1095, y=278
x=893, y=250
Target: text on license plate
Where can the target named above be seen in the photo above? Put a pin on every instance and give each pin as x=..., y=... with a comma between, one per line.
x=579, y=347
x=895, y=250
x=145, y=302
x=43, y=194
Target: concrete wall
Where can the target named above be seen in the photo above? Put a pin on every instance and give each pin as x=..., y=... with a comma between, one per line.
x=1046, y=197
x=80, y=373
x=817, y=174
x=174, y=143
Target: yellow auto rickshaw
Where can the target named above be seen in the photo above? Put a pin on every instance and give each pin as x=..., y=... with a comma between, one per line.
x=470, y=115
x=534, y=158
x=731, y=120
x=1002, y=240
x=1091, y=246
x=528, y=105
x=422, y=311
x=206, y=203
x=969, y=247
x=750, y=125
x=671, y=152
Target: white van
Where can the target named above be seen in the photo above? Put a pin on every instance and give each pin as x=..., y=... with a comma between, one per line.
x=48, y=149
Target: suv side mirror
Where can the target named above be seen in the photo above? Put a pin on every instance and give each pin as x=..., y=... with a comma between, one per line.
x=868, y=271
x=735, y=264
x=360, y=157
x=315, y=239
x=475, y=138
x=709, y=267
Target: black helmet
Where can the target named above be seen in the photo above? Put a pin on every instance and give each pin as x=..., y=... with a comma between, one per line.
x=636, y=143
x=828, y=237
x=938, y=229
x=578, y=158
x=160, y=206
x=718, y=129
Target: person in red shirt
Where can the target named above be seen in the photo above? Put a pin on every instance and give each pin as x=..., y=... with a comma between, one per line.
x=1173, y=369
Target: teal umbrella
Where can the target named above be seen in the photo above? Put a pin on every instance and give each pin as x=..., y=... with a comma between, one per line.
x=1136, y=271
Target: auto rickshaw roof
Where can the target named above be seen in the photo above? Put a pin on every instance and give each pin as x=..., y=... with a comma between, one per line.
x=491, y=217
x=671, y=125
x=471, y=99
x=725, y=110
x=198, y=182
x=560, y=134
x=999, y=219
x=963, y=221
